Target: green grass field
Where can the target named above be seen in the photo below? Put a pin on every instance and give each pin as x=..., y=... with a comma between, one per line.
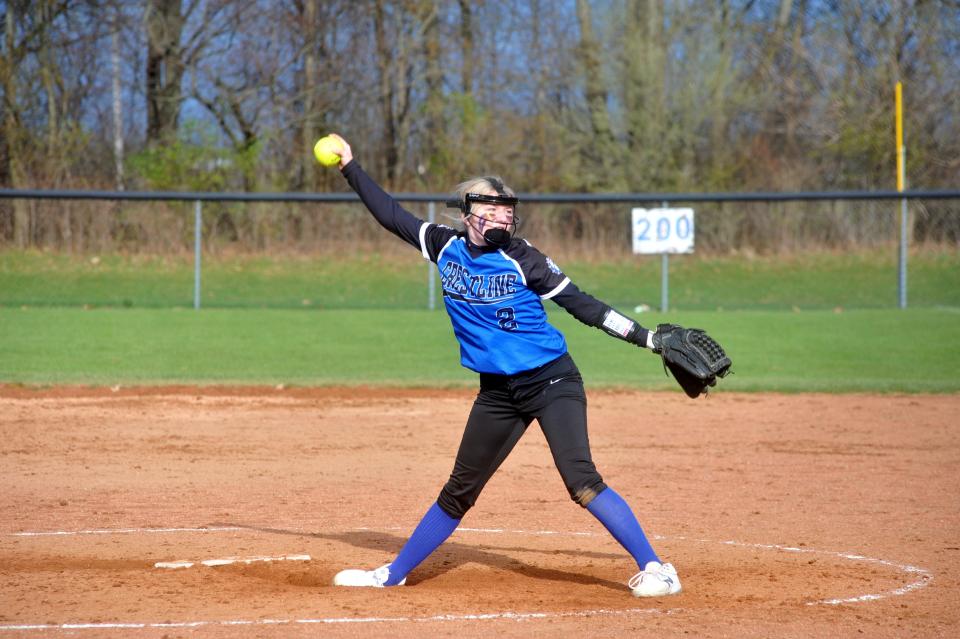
x=824, y=322
x=859, y=280
x=868, y=350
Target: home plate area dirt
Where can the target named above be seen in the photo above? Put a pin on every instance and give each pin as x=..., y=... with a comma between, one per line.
x=786, y=516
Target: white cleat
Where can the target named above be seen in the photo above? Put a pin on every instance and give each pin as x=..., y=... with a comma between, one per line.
x=365, y=578
x=656, y=580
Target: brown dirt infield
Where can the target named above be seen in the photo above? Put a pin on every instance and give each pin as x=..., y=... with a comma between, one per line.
x=773, y=508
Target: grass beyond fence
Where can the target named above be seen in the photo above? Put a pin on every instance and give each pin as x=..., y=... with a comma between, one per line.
x=825, y=280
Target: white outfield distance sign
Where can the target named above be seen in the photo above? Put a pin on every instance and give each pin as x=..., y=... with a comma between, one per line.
x=662, y=231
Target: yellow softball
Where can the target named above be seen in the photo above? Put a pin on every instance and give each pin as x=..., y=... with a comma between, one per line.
x=327, y=150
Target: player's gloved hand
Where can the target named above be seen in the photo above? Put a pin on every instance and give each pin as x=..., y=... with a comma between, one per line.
x=694, y=358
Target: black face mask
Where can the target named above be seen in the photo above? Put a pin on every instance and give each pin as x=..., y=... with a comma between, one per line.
x=498, y=238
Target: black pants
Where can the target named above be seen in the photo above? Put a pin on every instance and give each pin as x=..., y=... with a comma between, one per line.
x=552, y=394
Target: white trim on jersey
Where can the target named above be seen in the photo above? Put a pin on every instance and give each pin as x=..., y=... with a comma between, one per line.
x=423, y=240
x=440, y=254
x=516, y=264
x=562, y=285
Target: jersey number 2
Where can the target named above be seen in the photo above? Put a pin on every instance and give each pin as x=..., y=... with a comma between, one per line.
x=506, y=317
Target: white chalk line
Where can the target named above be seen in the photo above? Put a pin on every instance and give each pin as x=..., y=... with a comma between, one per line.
x=515, y=616
x=226, y=561
x=926, y=577
x=118, y=531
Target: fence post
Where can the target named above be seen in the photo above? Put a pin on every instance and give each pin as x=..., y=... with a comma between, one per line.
x=197, y=226
x=431, y=272
x=901, y=185
x=665, y=278
x=902, y=269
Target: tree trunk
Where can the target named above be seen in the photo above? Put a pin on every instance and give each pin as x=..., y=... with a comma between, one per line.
x=117, y=102
x=541, y=159
x=718, y=118
x=387, y=69
x=12, y=129
x=434, y=79
x=47, y=70
x=165, y=68
x=600, y=148
x=649, y=160
x=309, y=93
x=466, y=46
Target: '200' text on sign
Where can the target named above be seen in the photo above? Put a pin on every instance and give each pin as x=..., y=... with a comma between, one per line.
x=662, y=231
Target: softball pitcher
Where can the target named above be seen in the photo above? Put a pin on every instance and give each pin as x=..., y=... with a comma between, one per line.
x=494, y=285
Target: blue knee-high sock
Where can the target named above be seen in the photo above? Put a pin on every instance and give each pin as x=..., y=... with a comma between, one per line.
x=614, y=513
x=432, y=531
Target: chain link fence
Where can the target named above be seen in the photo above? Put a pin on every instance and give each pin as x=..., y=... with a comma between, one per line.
x=238, y=241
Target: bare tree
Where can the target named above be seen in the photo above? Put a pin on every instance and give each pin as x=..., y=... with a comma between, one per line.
x=164, y=22
x=311, y=40
x=28, y=33
x=644, y=69
x=600, y=147
x=581, y=95
x=465, y=42
x=433, y=80
x=399, y=30
x=15, y=50
x=116, y=87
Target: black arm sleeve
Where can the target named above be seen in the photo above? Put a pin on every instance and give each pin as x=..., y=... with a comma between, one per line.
x=384, y=208
x=593, y=312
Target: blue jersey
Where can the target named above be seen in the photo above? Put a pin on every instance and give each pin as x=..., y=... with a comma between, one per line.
x=495, y=301
x=494, y=297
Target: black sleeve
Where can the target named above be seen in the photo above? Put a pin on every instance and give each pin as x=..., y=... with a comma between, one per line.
x=540, y=273
x=384, y=208
x=546, y=279
x=435, y=239
x=593, y=312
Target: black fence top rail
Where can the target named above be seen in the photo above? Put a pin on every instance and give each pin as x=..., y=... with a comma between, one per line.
x=633, y=198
